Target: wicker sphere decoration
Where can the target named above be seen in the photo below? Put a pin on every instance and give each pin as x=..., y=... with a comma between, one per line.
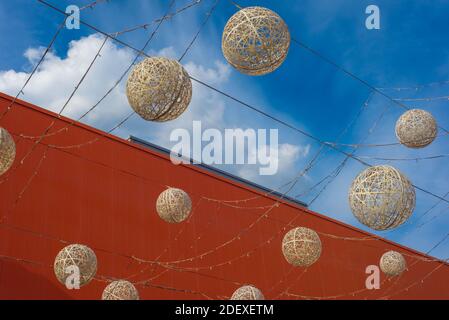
x=392, y=263
x=76, y=255
x=248, y=292
x=301, y=247
x=159, y=89
x=173, y=205
x=416, y=128
x=120, y=290
x=255, y=41
x=7, y=150
x=382, y=198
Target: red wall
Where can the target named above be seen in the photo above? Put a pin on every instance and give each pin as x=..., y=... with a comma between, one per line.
x=103, y=195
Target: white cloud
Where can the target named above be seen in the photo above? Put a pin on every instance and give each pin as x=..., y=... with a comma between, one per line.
x=213, y=76
x=286, y=160
x=168, y=52
x=56, y=78
x=33, y=55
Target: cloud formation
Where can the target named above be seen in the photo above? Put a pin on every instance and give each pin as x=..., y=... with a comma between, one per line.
x=56, y=78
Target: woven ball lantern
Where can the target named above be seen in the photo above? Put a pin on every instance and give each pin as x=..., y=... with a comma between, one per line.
x=255, y=41
x=382, y=198
x=7, y=150
x=76, y=255
x=120, y=290
x=416, y=128
x=247, y=293
x=173, y=205
x=159, y=89
x=301, y=247
x=392, y=263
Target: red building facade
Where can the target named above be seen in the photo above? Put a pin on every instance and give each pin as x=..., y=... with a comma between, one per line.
x=80, y=185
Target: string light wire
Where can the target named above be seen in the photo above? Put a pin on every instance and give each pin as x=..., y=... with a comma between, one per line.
x=93, y=4
x=416, y=87
x=146, y=25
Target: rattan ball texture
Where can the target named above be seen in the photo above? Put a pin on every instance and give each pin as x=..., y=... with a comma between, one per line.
x=255, y=41
x=381, y=197
x=173, y=205
x=7, y=150
x=301, y=247
x=76, y=255
x=159, y=89
x=248, y=292
x=416, y=128
x=392, y=263
x=120, y=290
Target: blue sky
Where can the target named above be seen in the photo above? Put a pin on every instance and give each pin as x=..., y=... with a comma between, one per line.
x=410, y=48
